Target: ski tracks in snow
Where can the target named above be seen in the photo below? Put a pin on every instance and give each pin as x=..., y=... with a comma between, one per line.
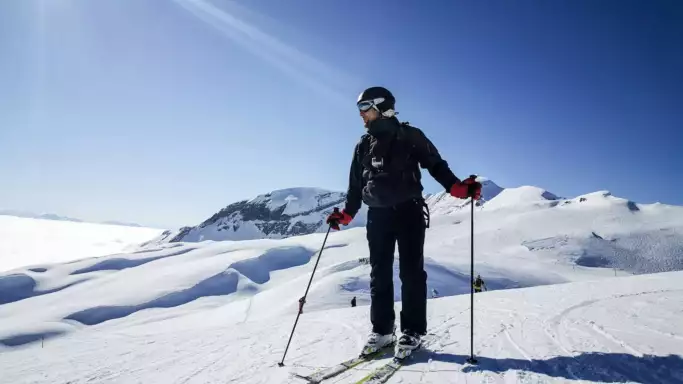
x=601, y=331
x=514, y=344
x=559, y=327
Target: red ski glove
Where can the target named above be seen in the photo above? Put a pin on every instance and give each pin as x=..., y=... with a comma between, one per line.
x=335, y=218
x=467, y=188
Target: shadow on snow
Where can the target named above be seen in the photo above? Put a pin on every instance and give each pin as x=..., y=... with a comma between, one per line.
x=590, y=366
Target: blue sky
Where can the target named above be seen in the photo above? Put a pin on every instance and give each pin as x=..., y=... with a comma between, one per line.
x=164, y=112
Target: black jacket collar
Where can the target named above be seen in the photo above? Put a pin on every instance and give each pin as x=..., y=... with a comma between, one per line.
x=380, y=127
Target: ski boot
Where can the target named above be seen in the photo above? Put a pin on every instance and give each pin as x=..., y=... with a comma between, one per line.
x=377, y=342
x=408, y=342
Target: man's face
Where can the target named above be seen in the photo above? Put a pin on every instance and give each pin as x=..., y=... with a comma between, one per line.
x=368, y=116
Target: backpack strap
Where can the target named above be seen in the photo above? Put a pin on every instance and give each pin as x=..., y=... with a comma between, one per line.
x=362, y=147
x=404, y=135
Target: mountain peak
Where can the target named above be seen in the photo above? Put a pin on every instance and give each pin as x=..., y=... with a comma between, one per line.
x=277, y=214
x=296, y=200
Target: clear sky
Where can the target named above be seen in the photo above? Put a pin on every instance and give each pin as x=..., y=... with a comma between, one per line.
x=163, y=112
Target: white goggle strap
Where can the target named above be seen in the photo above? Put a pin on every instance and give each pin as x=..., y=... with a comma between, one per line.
x=389, y=113
x=376, y=101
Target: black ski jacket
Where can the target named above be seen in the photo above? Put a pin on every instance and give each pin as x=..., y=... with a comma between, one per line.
x=385, y=167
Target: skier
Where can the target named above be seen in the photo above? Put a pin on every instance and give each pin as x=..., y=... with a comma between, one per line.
x=435, y=293
x=302, y=301
x=385, y=175
x=479, y=283
x=353, y=302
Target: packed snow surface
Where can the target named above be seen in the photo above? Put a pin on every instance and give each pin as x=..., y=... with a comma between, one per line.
x=609, y=330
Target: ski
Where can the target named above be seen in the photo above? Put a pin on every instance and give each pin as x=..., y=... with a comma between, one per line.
x=324, y=374
x=387, y=369
x=384, y=372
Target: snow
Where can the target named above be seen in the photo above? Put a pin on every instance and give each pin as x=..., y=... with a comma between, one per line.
x=239, y=230
x=222, y=311
x=297, y=200
x=26, y=241
x=520, y=197
x=616, y=330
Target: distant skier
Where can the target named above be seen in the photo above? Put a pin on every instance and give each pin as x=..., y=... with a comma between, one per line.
x=435, y=293
x=353, y=302
x=302, y=301
x=385, y=175
x=479, y=284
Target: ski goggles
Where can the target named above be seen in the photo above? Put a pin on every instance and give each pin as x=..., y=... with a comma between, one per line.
x=364, y=106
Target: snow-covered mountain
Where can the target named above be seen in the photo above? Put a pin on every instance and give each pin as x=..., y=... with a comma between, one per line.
x=275, y=215
x=292, y=212
x=563, y=304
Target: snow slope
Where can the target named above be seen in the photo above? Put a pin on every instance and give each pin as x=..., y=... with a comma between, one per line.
x=25, y=241
x=611, y=330
x=222, y=311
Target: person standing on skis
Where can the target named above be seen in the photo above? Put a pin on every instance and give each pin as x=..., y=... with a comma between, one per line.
x=385, y=175
x=478, y=284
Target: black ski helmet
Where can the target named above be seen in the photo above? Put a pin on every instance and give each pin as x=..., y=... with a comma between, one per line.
x=375, y=93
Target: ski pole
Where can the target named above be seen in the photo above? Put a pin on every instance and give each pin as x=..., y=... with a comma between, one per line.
x=302, y=301
x=471, y=359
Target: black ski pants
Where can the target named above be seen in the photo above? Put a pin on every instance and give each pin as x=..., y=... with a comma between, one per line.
x=403, y=224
